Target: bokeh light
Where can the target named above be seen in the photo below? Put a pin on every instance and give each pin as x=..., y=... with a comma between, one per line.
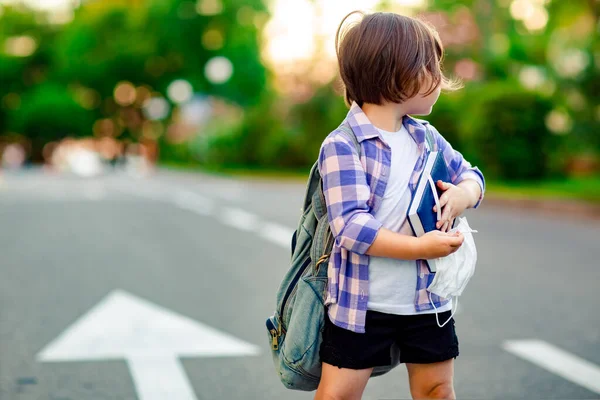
x=125, y=94
x=467, y=69
x=209, y=7
x=558, y=122
x=537, y=20
x=87, y=98
x=196, y=112
x=20, y=46
x=156, y=108
x=213, y=39
x=571, y=62
x=218, y=70
x=521, y=9
x=499, y=43
x=180, y=91
x=143, y=93
x=104, y=128
x=532, y=77
x=245, y=16
x=531, y=12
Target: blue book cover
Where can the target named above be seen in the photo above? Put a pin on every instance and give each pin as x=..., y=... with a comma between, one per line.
x=421, y=217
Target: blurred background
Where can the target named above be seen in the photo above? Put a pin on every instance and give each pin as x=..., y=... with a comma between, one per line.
x=252, y=84
x=142, y=140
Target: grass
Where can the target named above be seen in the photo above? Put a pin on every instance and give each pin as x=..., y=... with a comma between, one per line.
x=584, y=189
x=299, y=174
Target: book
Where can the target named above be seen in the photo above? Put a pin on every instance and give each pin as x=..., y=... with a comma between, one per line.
x=421, y=217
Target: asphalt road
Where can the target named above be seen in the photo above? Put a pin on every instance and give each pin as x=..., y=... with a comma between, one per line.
x=213, y=250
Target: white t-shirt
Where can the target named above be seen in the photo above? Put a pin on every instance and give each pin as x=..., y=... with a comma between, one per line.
x=392, y=282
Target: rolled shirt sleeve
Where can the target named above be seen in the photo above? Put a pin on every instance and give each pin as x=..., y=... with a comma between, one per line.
x=346, y=194
x=459, y=168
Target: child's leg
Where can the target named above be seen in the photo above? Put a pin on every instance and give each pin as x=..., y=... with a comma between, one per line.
x=432, y=381
x=348, y=358
x=342, y=383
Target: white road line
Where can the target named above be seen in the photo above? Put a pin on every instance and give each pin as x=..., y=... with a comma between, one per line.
x=278, y=234
x=557, y=361
x=231, y=216
x=238, y=218
x=193, y=202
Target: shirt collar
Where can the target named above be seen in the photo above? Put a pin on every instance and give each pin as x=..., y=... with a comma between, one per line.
x=364, y=129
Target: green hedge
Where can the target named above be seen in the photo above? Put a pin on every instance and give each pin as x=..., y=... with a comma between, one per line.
x=49, y=113
x=499, y=127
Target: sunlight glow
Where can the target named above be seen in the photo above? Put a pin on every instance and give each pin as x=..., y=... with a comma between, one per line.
x=45, y=5
x=299, y=29
x=531, y=12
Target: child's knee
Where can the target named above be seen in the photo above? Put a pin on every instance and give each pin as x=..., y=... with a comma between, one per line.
x=433, y=390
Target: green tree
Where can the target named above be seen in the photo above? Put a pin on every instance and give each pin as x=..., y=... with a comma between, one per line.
x=49, y=113
x=25, y=61
x=161, y=42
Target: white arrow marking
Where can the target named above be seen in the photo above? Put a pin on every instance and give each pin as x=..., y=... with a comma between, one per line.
x=160, y=378
x=149, y=337
x=557, y=361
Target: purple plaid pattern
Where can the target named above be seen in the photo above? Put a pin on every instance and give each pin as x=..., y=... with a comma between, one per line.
x=354, y=189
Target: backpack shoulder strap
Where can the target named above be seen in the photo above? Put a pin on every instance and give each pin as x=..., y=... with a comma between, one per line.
x=314, y=189
x=318, y=197
x=429, y=142
x=323, y=236
x=429, y=136
x=349, y=133
x=314, y=182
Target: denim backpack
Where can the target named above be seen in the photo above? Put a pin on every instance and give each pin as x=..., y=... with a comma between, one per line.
x=294, y=331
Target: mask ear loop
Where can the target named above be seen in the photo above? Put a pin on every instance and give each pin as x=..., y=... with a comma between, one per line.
x=454, y=308
x=439, y=216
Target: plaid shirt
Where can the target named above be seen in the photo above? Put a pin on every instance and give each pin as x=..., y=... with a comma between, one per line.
x=354, y=189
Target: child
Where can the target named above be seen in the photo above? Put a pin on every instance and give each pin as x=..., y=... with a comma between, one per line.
x=391, y=67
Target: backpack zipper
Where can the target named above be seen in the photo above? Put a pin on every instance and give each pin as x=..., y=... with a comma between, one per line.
x=288, y=295
x=274, y=334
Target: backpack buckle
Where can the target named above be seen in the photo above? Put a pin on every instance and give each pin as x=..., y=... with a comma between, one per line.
x=321, y=260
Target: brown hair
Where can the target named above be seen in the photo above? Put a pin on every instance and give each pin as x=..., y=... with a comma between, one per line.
x=386, y=56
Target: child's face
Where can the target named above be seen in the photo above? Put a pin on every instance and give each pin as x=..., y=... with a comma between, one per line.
x=422, y=104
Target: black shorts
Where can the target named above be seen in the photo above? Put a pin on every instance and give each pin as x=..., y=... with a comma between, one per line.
x=418, y=337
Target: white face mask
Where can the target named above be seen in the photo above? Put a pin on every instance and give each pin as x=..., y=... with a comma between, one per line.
x=454, y=271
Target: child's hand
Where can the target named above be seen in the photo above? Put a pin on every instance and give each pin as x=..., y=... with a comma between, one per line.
x=454, y=202
x=437, y=244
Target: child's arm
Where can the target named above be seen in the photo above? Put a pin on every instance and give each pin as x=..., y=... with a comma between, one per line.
x=456, y=199
x=433, y=244
x=346, y=194
x=466, y=189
